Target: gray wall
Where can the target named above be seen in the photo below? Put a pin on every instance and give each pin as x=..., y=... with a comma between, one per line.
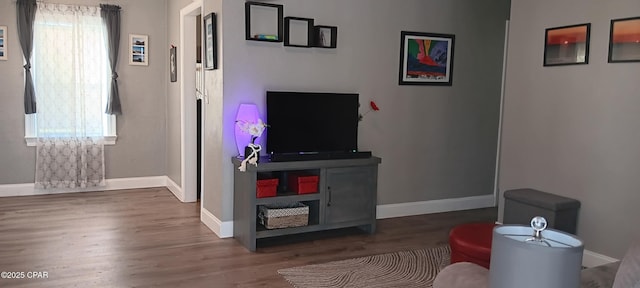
x=215, y=198
x=173, y=95
x=574, y=130
x=17, y=161
x=141, y=130
x=435, y=142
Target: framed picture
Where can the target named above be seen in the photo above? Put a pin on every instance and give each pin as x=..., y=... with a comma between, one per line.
x=567, y=45
x=173, y=68
x=138, y=50
x=210, y=42
x=3, y=43
x=624, y=40
x=426, y=58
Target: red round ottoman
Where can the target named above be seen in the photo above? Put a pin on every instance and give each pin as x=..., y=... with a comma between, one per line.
x=471, y=243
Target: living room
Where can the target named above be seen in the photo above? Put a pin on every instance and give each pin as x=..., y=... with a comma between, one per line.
x=460, y=134
x=438, y=144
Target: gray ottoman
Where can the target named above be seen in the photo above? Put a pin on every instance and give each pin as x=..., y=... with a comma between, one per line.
x=520, y=205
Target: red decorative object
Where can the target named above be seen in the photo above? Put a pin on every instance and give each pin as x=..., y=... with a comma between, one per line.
x=471, y=243
x=374, y=106
x=303, y=184
x=266, y=188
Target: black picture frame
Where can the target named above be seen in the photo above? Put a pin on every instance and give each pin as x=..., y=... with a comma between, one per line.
x=416, y=68
x=624, y=40
x=3, y=43
x=263, y=21
x=173, y=63
x=294, y=24
x=567, y=45
x=322, y=40
x=210, y=42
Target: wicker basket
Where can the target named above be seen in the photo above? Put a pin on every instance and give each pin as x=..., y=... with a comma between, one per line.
x=284, y=215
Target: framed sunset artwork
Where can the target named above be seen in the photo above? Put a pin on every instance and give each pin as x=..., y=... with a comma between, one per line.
x=426, y=59
x=624, y=40
x=567, y=45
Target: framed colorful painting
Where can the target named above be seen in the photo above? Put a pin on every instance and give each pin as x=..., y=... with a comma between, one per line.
x=426, y=59
x=567, y=45
x=624, y=40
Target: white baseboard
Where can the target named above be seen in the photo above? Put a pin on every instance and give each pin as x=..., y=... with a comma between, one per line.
x=434, y=206
x=175, y=189
x=222, y=229
x=28, y=189
x=592, y=259
x=135, y=183
x=8, y=190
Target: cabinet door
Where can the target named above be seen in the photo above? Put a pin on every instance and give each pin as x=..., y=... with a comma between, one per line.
x=350, y=194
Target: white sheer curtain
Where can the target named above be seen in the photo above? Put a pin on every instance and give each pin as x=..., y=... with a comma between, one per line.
x=69, y=163
x=70, y=77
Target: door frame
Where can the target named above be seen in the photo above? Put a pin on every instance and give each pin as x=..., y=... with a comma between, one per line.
x=187, y=78
x=496, y=177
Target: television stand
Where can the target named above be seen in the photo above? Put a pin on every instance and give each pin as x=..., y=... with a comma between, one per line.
x=346, y=196
x=283, y=157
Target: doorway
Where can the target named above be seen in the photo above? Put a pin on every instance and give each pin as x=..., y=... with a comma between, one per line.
x=199, y=93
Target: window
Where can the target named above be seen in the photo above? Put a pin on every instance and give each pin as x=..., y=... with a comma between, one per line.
x=70, y=74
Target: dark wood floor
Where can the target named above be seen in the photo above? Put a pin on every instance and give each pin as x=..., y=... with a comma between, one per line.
x=145, y=237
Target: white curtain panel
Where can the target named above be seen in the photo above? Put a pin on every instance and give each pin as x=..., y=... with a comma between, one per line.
x=70, y=76
x=69, y=163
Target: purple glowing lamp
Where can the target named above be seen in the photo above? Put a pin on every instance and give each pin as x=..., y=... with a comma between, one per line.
x=247, y=113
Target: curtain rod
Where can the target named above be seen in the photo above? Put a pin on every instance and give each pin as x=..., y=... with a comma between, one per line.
x=55, y=2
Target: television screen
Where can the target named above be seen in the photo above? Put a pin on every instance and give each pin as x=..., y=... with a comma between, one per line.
x=308, y=123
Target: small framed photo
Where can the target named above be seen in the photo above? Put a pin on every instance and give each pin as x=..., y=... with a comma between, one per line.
x=567, y=45
x=326, y=36
x=138, y=50
x=3, y=43
x=173, y=68
x=624, y=40
x=210, y=42
x=426, y=58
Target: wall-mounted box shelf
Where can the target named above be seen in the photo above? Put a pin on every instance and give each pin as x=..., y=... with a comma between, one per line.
x=298, y=32
x=263, y=21
x=325, y=36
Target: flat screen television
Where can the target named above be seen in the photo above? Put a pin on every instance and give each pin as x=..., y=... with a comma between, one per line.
x=310, y=126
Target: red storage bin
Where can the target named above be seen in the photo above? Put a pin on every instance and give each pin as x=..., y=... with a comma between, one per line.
x=266, y=188
x=303, y=184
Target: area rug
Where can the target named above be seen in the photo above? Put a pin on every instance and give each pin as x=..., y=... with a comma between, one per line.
x=415, y=268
